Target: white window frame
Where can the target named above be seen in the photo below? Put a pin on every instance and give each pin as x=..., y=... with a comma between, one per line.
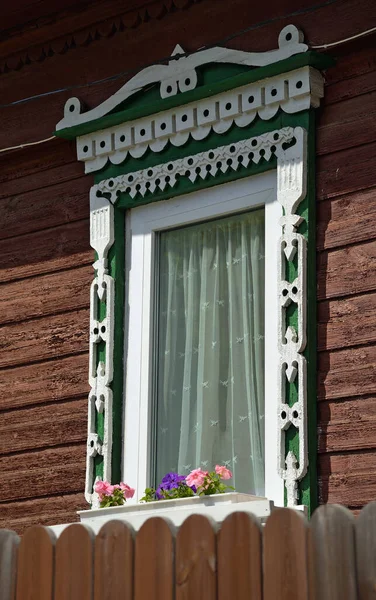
x=142, y=224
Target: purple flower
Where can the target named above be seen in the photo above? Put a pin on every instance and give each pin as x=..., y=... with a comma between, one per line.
x=169, y=482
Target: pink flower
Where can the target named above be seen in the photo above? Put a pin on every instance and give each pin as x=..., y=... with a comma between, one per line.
x=128, y=491
x=223, y=472
x=103, y=488
x=196, y=478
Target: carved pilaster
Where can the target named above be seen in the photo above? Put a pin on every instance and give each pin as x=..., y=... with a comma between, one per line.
x=292, y=174
x=101, y=331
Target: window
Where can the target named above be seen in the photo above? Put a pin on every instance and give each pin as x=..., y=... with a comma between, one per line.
x=202, y=275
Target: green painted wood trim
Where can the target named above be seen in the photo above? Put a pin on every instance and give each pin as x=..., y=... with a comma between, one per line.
x=117, y=271
x=313, y=59
x=308, y=485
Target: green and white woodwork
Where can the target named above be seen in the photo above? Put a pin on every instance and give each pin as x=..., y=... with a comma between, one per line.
x=202, y=120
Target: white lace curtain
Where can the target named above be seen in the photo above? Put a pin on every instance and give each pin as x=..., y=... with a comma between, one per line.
x=210, y=358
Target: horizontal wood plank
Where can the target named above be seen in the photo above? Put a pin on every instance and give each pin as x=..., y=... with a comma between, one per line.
x=350, y=270
x=348, y=133
x=52, y=510
x=23, y=171
x=51, y=294
x=355, y=83
x=347, y=124
x=348, y=479
x=45, y=251
x=46, y=207
x=43, y=426
x=345, y=171
x=346, y=220
x=352, y=61
x=346, y=373
x=48, y=337
x=347, y=322
x=58, y=379
x=347, y=425
x=43, y=473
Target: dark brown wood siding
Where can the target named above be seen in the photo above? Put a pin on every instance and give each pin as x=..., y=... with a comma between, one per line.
x=44, y=236
x=346, y=273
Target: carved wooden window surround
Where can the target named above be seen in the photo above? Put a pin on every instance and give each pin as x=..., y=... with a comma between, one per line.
x=209, y=126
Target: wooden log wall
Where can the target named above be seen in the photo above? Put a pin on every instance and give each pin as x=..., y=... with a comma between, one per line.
x=44, y=236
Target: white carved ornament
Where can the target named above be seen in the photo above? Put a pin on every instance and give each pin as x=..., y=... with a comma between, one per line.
x=203, y=165
x=291, y=178
x=291, y=92
x=180, y=74
x=100, y=373
x=291, y=190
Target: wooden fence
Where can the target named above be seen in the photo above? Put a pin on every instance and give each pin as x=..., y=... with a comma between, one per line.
x=332, y=557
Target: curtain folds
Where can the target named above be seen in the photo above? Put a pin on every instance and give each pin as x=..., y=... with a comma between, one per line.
x=210, y=349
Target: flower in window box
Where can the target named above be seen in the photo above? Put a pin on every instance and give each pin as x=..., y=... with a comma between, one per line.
x=113, y=495
x=197, y=483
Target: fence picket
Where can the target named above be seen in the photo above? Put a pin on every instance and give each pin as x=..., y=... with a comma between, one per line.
x=285, y=556
x=74, y=564
x=35, y=564
x=9, y=541
x=154, y=560
x=196, y=559
x=365, y=545
x=239, y=558
x=331, y=554
x=113, y=570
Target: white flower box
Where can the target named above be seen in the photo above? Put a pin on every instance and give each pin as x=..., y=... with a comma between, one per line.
x=217, y=507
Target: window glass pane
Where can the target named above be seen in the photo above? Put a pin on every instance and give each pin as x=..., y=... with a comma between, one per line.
x=210, y=349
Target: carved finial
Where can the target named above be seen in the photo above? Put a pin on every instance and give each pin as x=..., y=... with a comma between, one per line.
x=177, y=50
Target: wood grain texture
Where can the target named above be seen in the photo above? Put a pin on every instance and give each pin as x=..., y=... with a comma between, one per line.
x=347, y=124
x=347, y=171
x=114, y=561
x=74, y=564
x=48, y=337
x=51, y=510
x=46, y=207
x=347, y=322
x=37, y=175
x=347, y=425
x=57, y=379
x=9, y=542
x=354, y=73
x=285, y=556
x=35, y=573
x=331, y=550
x=347, y=478
x=353, y=60
x=365, y=546
x=346, y=220
x=52, y=294
x=196, y=559
x=154, y=561
x=43, y=472
x=346, y=373
x=43, y=426
x=239, y=558
x=350, y=270
x=45, y=251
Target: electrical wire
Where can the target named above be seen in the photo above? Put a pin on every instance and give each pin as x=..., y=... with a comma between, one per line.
x=49, y=139
x=348, y=39
x=167, y=59
x=161, y=61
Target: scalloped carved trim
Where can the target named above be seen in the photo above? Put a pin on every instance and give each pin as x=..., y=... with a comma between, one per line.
x=291, y=92
x=211, y=163
x=46, y=41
